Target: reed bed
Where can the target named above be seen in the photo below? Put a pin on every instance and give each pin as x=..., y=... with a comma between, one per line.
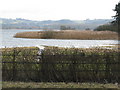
x=70, y=34
x=61, y=65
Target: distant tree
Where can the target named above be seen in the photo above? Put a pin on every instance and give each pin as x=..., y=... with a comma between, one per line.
x=106, y=27
x=114, y=25
x=117, y=16
x=63, y=27
x=87, y=29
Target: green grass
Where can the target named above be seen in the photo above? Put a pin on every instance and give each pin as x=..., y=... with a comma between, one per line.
x=57, y=85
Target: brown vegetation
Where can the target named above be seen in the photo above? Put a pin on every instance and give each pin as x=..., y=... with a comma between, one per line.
x=70, y=34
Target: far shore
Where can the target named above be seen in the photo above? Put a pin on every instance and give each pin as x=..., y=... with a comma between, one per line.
x=70, y=34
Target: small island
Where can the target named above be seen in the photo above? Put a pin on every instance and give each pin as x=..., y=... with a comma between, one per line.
x=69, y=34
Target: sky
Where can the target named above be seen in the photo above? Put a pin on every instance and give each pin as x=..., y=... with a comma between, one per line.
x=57, y=9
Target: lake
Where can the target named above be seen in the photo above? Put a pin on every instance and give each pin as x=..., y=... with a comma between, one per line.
x=9, y=41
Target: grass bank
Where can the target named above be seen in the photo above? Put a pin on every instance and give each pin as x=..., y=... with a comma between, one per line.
x=70, y=34
x=108, y=86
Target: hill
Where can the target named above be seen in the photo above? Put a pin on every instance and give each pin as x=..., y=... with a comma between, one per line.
x=19, y=23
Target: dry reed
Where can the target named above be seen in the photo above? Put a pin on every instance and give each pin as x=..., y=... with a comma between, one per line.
x=70, y=34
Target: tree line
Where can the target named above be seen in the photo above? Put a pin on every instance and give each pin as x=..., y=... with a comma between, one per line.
x=114, y=25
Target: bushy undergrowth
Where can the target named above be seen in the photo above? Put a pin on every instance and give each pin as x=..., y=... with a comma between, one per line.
x=61, y=65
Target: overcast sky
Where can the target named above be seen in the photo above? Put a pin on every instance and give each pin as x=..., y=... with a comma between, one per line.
x=57, y=9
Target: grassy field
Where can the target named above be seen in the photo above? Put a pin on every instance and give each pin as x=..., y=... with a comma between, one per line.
x=58, y=85
x=70, y=34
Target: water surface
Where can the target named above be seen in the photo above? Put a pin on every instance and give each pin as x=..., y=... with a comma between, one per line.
x=9, y=41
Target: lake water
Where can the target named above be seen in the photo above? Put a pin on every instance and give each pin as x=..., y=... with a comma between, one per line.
x=9, y=41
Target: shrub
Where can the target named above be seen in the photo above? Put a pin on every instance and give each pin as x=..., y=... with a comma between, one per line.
x=61, y=65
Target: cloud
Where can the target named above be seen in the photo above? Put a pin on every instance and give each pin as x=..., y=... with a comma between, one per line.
x=57, y=9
